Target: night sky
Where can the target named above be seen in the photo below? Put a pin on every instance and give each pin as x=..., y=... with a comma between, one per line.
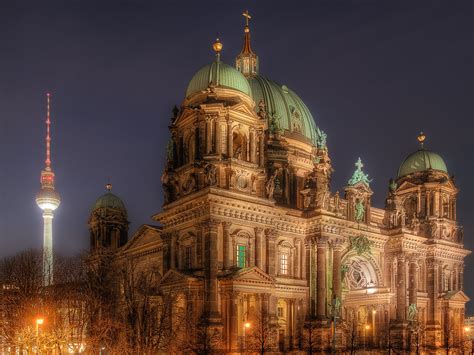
x=373, y=73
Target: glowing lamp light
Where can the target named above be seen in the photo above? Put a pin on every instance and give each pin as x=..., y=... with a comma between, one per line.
x=39, y=321
x=371, y=290
x=247, y=325
x=466, y=329
x=367, y=327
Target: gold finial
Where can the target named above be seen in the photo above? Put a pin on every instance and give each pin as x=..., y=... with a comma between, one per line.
x=217, y=46
x=108, y=187
x=421, y=138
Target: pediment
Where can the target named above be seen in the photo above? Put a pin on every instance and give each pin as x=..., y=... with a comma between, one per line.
x=145, y=235
x=173, y=277
x=456, y=296
x=253, y=274
x=187, y=112
x=406, y=185
x=243, y=108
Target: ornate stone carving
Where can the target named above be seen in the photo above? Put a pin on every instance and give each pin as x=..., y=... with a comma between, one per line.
x=211, y=174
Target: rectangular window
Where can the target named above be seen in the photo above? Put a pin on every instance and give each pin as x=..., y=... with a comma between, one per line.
x=280, y=312
x=188, y=252
x=241, y=255
x=284, y=264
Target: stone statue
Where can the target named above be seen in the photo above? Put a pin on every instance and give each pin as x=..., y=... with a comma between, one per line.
x=359, y=175
x=262, y=113
x=211, y=174
x=169, y=150
x=274, y=124
x=321, y=138
x=415, y=224
x=238, y=152
x=337, y=202
x=361, y=244
x=392, y=185
x=359, y=211
x=412, y=312
x=270, y=186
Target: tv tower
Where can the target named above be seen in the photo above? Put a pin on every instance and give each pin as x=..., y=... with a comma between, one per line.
x=48, y=200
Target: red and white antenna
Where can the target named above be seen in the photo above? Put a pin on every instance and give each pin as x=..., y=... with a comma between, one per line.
x=48, y=137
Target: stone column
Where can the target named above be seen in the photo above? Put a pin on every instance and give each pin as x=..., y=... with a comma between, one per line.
x=258, y=246
x=234, y=321
x=336, y=267
x=432, y=281
x=271, y=235
x=229, y=138
x=401, y=288
x=253, y=147
x=212, y=290
x=309, y=275
x=321, y=301
x=227, y=243
x=414, y=279
x=261, y=139
x=173, y=250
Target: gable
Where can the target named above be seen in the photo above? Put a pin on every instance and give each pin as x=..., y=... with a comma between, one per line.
x=173, y=277
x=253, y=274
x=146, y=235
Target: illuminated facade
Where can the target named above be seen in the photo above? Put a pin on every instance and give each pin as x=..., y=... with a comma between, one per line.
x=251, y=232
x=48, y=200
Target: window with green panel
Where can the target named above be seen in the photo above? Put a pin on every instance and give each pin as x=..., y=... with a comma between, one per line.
x=241, y=255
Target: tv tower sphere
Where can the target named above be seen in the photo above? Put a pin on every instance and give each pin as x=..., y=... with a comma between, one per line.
x=48, y=200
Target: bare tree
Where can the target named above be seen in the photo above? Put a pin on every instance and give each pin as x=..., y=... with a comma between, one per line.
x=262, y=335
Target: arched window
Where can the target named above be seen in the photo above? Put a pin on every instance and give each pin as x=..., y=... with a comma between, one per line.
x=187, y=251
x=242, y=249
x=285, y=258
x=239, y=146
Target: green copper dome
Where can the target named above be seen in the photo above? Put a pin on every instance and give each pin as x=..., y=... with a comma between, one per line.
x=109, y=200
x=422, y=160
x=284, y=106
x=219, y=74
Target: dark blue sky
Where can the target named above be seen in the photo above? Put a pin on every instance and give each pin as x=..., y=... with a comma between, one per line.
x=373, y=73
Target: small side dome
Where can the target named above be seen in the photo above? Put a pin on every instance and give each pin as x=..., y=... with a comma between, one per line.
x=109, y=200
x=220, y=75
x=422, y=160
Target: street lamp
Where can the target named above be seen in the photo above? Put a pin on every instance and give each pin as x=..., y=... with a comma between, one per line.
x=38, y=321
x=374, y=312
x=366, y=328
x=246, y=326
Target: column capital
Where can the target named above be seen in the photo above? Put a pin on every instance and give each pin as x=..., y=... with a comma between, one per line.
x=336, y=243
x=271, y=234
x=414, y=258
x=226, y=225
x=321, y=241
x=210, y=224
x=258, y=230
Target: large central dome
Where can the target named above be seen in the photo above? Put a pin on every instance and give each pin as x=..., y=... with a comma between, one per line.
x=284, y=106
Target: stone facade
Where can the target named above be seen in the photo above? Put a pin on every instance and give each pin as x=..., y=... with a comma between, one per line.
x=251, y=234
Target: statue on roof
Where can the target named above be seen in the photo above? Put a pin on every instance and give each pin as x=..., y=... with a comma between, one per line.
x=359, y=175
x=321, y=138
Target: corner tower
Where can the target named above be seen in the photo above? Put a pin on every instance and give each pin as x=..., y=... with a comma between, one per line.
x=108, y=224
x=48, y=200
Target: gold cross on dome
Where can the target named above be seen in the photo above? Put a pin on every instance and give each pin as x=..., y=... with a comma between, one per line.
x=247, y=17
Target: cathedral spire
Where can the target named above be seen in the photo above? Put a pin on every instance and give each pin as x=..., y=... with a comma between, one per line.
x=247, y=61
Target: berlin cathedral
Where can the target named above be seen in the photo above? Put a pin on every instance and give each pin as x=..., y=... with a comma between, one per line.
x=251, y=235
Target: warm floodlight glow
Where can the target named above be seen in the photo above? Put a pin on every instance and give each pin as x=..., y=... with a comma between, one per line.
x=371, y=290
x=247, y=325
x=466, y=329
x=367, y=327
x=39, y=321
